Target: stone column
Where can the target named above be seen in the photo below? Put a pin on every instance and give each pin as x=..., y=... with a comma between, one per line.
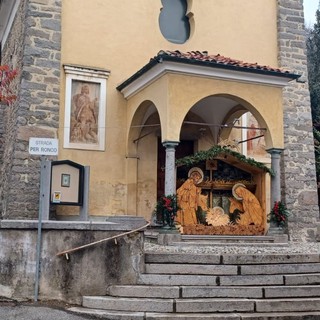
x=274, y=230
x=276, y=178
x=170, y=179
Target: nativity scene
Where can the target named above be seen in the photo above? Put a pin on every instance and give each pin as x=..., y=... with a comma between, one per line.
x=221, y=192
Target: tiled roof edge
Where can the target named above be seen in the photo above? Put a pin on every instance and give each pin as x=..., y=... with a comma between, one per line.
x=212, y=61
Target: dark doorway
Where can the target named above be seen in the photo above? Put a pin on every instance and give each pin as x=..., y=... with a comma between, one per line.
x=185, y=148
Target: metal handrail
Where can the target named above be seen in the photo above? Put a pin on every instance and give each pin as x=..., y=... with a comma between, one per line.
x=66, y=252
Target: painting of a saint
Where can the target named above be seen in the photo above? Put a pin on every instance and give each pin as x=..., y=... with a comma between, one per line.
x=256, y=143
x=84, y=112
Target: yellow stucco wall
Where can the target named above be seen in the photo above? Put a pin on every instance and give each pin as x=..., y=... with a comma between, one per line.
x=183, y=92
x=122, y=38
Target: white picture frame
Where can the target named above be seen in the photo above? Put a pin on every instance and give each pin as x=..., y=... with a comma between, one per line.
x=85, y=108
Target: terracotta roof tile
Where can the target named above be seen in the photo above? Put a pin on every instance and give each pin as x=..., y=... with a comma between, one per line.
x=203, y=56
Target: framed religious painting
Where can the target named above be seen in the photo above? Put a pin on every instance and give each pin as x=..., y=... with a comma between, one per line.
x=85, y=108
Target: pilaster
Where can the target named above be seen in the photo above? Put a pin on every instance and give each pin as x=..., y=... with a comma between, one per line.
x=37, y=30
x=299, y=187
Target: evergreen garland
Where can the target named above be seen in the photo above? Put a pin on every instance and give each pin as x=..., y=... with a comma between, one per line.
x=214, y=152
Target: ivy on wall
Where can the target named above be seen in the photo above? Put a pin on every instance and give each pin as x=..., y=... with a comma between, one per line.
x=6, y=79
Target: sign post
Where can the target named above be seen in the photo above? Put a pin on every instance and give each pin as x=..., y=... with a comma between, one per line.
x=43, y=147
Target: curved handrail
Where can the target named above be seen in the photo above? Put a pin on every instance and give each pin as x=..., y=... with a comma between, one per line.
x=66, y=252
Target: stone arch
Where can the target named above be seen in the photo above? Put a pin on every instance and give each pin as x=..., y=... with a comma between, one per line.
x=239, y=110
x=145, y=114
x=142, y=145
x=216, y=110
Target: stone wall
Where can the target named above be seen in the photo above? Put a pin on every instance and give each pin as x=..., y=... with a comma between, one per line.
x=86, y=272
x=38, y=27
x=37, y=31
x=12, y=55
x=299, y=188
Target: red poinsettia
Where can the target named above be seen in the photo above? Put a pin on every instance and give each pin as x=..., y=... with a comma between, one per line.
x=166, y=208
x=279, y=214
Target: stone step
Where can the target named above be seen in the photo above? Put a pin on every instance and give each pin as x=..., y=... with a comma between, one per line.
x=203, y=280
x=120, y=315
x=221, y=292
x=186, y=291
x=236, y=316
x=303, y=279
x=190, y=269
x=247, y=305
x=107, y=314
x=144, y=291
x=281, y=316
x=288, y=305
x=177, y=239
x=225, y=239
x=292, y=291
x=167, y=305
x=176, y=280
x=246, y=259
x=251, y=280
x=192, y=316
x=173, y=268
x=214, y=286
x=140, y=291
x=214, y=305
x=226, y=244
x=236, y=280
x=280, y=268
x=182, y=258
x=128, y=304
x=202, y=305
x=227, y=259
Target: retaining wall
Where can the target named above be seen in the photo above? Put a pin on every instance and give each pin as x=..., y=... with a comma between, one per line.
x=86, y=272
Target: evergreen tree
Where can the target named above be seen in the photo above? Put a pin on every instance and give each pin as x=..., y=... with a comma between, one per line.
x=313, y=54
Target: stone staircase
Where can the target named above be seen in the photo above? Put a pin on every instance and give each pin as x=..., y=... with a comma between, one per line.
x=209, y=286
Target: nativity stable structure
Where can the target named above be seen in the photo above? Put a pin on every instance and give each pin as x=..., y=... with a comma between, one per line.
x=128, y=90
x=221, y=192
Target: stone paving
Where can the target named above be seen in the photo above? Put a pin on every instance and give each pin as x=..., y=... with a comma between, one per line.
x=37, y=311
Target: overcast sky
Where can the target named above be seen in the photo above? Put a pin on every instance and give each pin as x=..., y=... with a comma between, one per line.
x=310, y=8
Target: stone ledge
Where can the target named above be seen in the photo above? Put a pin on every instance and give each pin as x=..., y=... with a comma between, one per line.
x=65, y=225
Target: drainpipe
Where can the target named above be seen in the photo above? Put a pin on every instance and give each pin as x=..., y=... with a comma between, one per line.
x=41, y=204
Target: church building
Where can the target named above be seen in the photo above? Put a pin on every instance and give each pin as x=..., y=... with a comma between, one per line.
x=129, y=90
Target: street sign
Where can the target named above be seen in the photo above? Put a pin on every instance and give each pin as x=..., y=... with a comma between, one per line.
x=43, y=146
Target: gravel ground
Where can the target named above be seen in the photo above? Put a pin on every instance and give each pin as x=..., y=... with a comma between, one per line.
x=290, y=248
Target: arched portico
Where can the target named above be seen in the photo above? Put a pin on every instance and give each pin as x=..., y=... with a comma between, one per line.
x=174, y=100
x=175, y=94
